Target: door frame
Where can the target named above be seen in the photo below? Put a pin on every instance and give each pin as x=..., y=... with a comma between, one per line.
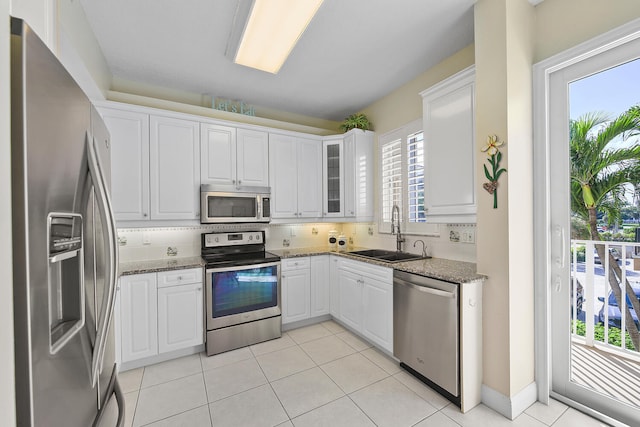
x=543, y=232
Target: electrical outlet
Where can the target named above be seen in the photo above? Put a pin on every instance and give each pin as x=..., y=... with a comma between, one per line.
x=122, y=240
x=471, y=236
x=293, y=231
x=286, y=242
x=314, y=231
x=146, y=238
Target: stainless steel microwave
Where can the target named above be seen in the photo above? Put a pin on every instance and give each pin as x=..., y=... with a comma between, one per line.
x=224, y=204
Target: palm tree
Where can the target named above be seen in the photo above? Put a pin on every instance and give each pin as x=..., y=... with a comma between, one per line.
x=600, y=175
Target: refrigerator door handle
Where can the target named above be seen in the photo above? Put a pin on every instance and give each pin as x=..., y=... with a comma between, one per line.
x=112, y=388
x=106, y=212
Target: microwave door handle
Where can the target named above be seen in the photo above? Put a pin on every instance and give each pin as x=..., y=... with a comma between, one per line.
x=108, y=224
x=259, y=207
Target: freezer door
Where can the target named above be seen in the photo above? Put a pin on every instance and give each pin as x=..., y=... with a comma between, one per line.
x=49, y=120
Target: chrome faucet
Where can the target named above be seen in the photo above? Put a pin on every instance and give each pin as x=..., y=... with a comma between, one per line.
x=424, y=247
x=395, y=226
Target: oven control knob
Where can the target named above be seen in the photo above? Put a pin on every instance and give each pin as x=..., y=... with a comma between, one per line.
x=257, y=237
x=250, y=237
x=217, y=239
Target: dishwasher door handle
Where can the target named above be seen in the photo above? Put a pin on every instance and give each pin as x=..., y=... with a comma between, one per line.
x=424, y=289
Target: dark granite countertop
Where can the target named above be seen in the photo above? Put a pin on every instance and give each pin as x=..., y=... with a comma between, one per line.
x=165, y=264
x=437, y=268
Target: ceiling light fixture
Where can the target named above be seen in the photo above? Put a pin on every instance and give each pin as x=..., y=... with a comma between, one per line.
x=272, y=30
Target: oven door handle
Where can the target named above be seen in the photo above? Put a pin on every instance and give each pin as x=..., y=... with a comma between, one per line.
x=242, y=267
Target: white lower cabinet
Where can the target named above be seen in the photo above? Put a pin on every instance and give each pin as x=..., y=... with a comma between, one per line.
x=350, y=295
x=138, y=316
x=160, y=312
x=334, y=279
x=366, y=300
x=377, y=314
x=179, y=317
x=305, y=288
x=296, y=289
x=320, y=290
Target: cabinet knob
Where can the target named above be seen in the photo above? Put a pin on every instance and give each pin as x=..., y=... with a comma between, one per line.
x=233, y=181
x=144, y=214
x=179, y=277
x=239, y=182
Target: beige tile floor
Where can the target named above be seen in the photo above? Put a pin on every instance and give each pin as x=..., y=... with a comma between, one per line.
x=320, y=375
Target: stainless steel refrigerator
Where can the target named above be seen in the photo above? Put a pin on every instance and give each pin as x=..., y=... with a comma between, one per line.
x=64, y=246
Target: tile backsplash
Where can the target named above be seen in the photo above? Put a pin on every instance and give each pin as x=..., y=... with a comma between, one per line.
x=138, y=244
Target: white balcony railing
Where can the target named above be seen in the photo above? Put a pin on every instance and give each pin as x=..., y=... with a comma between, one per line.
x=591, y=275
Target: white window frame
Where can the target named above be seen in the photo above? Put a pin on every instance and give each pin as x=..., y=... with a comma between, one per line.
x=384, y=227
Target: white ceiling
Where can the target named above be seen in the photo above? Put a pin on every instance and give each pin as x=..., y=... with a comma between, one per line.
x=353, y=53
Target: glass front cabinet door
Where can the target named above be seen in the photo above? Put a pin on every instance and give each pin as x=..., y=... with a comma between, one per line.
x=333, y=165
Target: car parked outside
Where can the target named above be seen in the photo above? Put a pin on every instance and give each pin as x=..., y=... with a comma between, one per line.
x=613, y=251
x=614, y=310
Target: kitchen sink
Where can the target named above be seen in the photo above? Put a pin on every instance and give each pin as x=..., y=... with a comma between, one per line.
x=387, y=256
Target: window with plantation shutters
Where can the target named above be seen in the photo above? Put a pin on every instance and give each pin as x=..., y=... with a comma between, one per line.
x=415, y=177
x=402, y=180
x=391, y=177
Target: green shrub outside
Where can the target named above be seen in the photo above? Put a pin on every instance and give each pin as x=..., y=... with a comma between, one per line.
x=614, y=334
x=581, y=250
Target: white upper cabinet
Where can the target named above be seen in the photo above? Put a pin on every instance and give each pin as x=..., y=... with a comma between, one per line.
x=129, y=163
x=155, y=166
x=295, y=176
x=348, y=176
x=233, y=156
x=358, y=175
x=309, y=178
x=333, y=176
x=449, y=135
x=217, y=154
x=175, y=168
x=253, y=158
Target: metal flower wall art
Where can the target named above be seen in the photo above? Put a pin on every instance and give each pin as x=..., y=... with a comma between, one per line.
x=492, y=150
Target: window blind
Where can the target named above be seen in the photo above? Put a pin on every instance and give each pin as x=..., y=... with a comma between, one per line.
x=415, y=177
x=391, y=158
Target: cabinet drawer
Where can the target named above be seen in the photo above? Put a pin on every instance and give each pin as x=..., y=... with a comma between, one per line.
x=366, y=269
x=296, y=263
x=179, y=277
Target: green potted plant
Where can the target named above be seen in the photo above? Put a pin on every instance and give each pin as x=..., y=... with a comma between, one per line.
x=355, y=121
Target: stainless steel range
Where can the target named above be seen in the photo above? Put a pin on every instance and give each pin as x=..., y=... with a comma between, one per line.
x=242, y=293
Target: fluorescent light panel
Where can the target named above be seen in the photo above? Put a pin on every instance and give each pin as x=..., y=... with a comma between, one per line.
x=272, y=30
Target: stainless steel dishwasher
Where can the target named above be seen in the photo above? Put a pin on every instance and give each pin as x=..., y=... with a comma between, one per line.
x=426, y=331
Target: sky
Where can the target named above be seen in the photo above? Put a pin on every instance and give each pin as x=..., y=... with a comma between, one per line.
x=612, y=91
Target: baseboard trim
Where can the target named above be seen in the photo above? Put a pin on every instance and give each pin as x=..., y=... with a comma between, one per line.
x=513, y=406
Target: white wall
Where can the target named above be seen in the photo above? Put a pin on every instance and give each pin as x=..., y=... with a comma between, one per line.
x=41, y=17
x=79, y=50
x=7, y=393
x=187, y=239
